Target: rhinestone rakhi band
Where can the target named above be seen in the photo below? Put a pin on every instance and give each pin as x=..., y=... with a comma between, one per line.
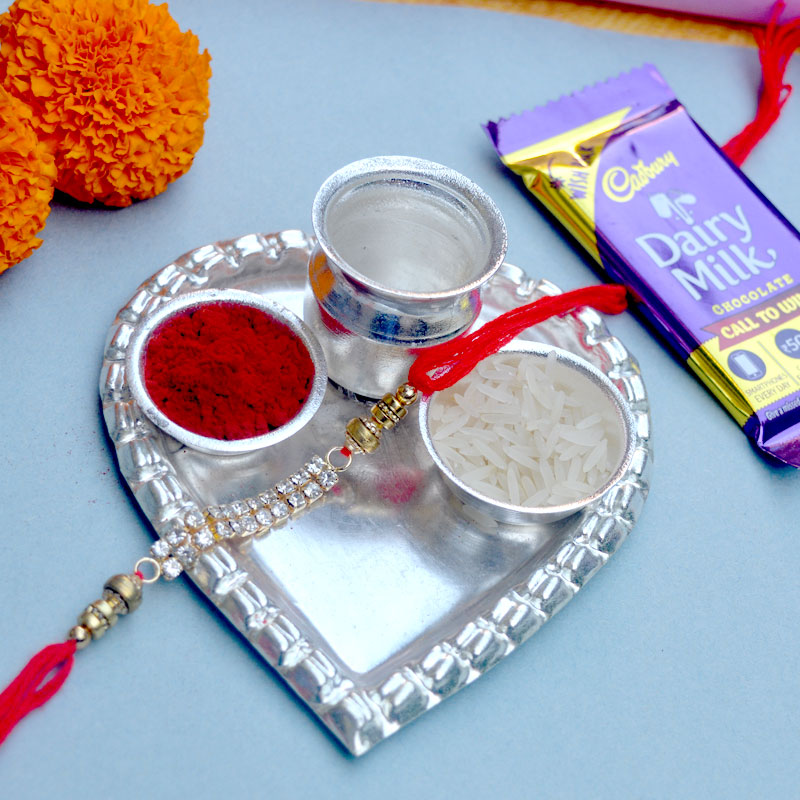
x=185, y=539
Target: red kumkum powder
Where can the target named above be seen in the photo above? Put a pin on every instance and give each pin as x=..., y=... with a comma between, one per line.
x=227, y=371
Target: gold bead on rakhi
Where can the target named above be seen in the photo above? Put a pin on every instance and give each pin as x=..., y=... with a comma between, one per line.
x=122, y=594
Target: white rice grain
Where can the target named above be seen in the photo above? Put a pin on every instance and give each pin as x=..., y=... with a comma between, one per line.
x=527, y=430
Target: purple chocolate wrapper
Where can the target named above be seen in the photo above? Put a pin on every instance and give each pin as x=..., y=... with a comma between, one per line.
x=714, y=266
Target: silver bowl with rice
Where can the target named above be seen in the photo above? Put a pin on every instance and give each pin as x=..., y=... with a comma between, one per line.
x=533, y=434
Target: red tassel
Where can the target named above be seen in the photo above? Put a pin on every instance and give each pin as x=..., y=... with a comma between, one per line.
x=450, y=361
x=32, y=687
x=776, y=44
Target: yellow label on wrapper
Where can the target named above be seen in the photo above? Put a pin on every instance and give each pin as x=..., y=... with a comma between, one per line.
x=562, y=172
x=754, y=362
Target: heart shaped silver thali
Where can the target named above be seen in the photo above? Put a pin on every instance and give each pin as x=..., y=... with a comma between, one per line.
x=392, y=595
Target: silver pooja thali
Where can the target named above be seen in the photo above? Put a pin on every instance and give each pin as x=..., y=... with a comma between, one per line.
x=389, y=595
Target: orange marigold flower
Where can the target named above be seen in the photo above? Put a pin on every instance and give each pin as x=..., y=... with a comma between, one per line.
x=118, y=93
x=27, y=173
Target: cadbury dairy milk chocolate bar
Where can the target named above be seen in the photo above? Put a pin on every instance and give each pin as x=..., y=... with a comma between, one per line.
x=714, y=265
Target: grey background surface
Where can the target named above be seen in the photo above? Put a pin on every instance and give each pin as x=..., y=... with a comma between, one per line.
x=673, y=674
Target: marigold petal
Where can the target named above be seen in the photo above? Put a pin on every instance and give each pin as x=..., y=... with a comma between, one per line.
x=117, y=92
x=27, y=172
x=40, y=86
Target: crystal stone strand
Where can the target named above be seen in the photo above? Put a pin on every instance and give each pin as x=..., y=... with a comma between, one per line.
x=315, y=466
x=240, y=508
x=300, y=478
x=264, y=519
x=160, y=549
x=296, y=501
x=284, y=488
x=203, y=539
x=268, y=498
x=185, y=539
x=186, y=554
x=327, y=479
x=194, y=519
x=171, y=568
x=174, y=532
x=249, y=526
x=279, y=510
x=312, y=491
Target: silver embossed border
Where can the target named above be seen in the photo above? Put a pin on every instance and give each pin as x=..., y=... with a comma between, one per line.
x=362, y=717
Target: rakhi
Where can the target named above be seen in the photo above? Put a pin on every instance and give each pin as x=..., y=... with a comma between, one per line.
x=436, y=369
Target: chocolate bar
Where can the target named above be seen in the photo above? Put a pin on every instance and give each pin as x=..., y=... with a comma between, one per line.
x=714, y=265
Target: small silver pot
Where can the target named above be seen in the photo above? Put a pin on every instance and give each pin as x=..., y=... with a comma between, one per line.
x=403, y=249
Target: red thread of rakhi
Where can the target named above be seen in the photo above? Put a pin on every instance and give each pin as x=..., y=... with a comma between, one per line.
x=32, y=687
x=776, y=44
x=443, y=365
